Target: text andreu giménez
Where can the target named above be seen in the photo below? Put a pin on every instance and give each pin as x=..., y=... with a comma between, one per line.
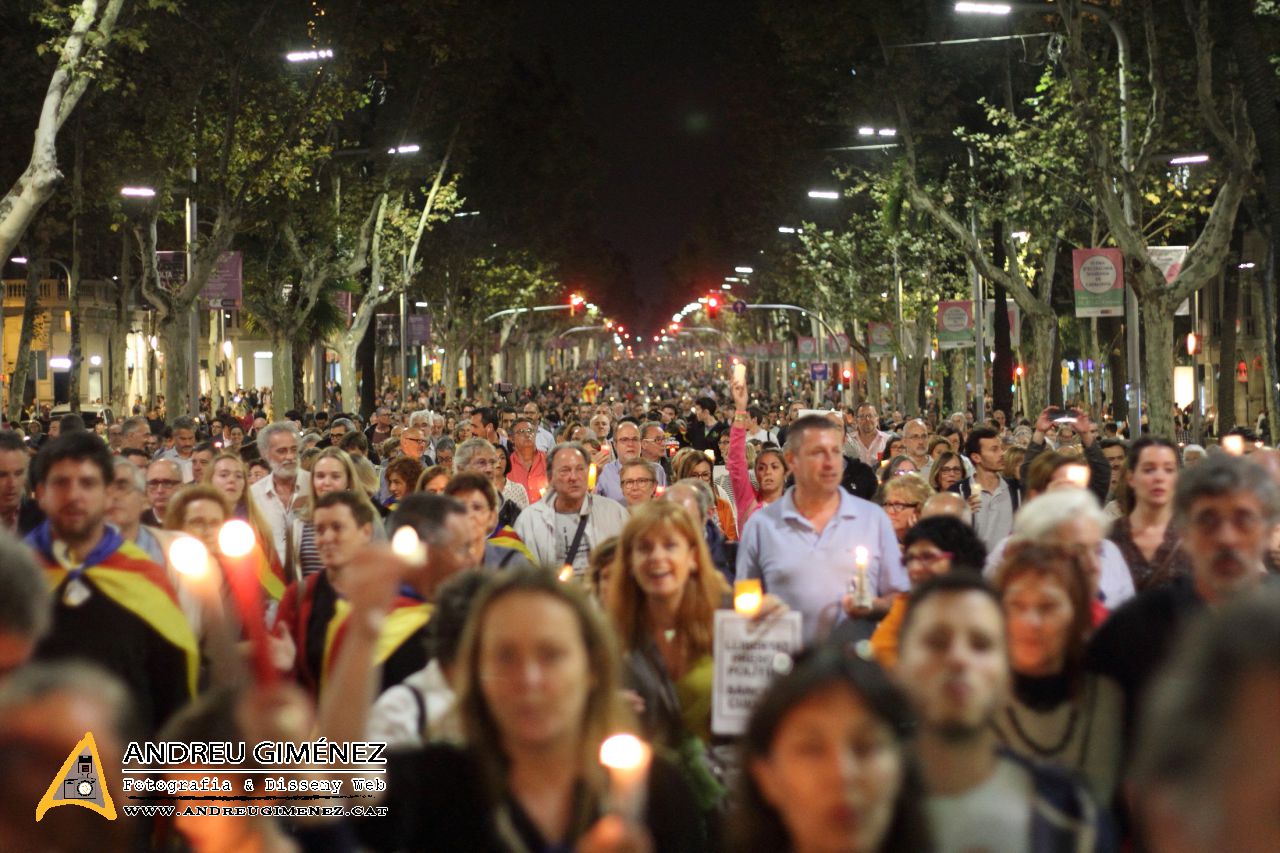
x=266, y=753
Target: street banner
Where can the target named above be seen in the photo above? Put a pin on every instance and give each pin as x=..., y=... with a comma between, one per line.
x=819, y=371
x=418, y=329
x=747, y=655
x=807, y=347
x=225, y=287
x=955, y=324
x=880, y=339
x=1169, y=259
x=1099, y=282
x=1015, y=322
x=777, y=348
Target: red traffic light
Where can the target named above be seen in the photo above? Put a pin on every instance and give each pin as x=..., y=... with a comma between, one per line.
x=848, y=374
x=1017, y=371
x=713, y=306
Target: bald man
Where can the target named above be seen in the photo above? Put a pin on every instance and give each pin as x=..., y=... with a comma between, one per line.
x=947, y=503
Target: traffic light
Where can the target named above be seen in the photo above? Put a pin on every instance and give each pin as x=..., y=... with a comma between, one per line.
x=713, y=306
x=1017, y=373
x=575, y=304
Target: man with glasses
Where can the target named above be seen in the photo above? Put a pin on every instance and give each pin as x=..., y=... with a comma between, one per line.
x=380, y=428
x=543, y=440
x=528, y=463
x=164, y=478
x=1225, y=508
x=653, y=446
x=562, y=528
x=867, y=441
x=628, y=444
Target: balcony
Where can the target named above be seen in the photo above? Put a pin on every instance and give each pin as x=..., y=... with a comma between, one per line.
x=94, y=293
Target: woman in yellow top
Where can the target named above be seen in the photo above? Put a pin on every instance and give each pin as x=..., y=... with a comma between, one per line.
x=931, y=547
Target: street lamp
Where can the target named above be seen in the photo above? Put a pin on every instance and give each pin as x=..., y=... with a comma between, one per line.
x=411, y=148
x=826, y=195
x=137, y=192
x=744, y=270
x=313, y=55
x=983, y=8
x=786, y=229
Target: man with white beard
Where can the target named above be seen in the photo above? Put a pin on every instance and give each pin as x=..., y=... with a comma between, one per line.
x=286, y=488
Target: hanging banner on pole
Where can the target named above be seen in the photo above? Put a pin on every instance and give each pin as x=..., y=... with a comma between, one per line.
x=955, y=324
x=1169, y=259
x=1015, y=322
x=418, y=329
x=225, y=285
x=1099, y=282
x=807, y=346
x=880, y=339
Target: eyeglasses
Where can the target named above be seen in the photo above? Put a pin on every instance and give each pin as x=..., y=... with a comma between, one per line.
x=950, y=469
x=523, y=432
x=413, y=440
x=638, y=482
x=153, y=485
x=1242, y=520
x=897, y=506
x=925, y=557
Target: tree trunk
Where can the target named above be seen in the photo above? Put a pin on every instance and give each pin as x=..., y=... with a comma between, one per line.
x=1158, y=348
x=1039, y=338
x=118, y=340
x=282, y=372
x=365, y=394
x=22, y=362
x=1002, y=346
x=1230, y=311
x=301, y=355
x=175, y=333
x=915, y=370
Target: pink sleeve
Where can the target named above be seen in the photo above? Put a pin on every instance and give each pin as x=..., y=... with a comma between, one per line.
x=744, y=494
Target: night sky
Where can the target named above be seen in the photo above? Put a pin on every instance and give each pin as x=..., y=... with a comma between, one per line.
x=650, y=77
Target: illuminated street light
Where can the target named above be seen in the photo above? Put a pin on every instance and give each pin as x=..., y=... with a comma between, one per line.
x=18, y=260
x=887, y=131
x=1189, y=159
x=983, y=8
x=411, y=148
x=137, y=192
x=308, y=55
x=829, y=195
x=866, y=131
x=744, y=270
x=786, y=229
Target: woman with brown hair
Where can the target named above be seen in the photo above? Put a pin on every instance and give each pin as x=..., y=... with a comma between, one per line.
x=1057, y=712
x=694, y=463
x=403, y=474
x=770, y=464
x=1145, y=534
x=334, y=471
x=230, y=475
x=538, y=693
x=947, y=470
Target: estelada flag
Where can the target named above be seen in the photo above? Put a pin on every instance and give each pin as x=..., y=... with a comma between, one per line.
x=407, y=616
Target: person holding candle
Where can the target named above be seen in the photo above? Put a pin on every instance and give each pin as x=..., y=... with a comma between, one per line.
x=662, y=602
x=228, y=474
x=528, y=463
x=770, y=467
x=802, y=546
x=828, y=763
x=609, y=480
x=539, y=691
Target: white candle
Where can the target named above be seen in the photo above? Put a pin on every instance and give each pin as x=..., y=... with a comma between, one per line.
x=566, y=573
x=748, y=597
x=861, y=559
x=740, y=373
x=1233, y=444
x=627, y=758
x=235, y=538
x=189, y=556
x=592, y=473
x=1078, y=475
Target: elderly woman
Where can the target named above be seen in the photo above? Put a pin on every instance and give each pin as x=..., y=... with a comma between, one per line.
x=639, y=482
x=694, y=463
x=902, y=497
x=896, y=467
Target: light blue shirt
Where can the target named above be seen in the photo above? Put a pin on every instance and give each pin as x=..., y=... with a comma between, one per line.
x=810, y=571
x=609, y=481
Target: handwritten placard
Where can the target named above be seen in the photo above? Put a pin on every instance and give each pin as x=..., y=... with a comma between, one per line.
x=747, y=657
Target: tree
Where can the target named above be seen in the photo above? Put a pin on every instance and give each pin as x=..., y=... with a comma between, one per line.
x=89, y=26
x=1118, y=176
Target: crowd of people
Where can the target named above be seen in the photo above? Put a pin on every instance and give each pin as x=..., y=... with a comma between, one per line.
x=1038, y=635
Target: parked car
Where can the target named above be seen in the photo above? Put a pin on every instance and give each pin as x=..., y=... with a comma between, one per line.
x=91, y=413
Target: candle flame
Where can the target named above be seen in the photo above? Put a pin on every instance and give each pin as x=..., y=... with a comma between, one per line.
x=861, y=556
x=624, y=752
x=236, y=538
x=1233, y=444
x=566, y=573
x=189, y=556
x=406, y=544
x=592, y=471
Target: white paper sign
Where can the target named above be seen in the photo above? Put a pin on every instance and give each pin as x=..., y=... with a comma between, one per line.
x=745, y=655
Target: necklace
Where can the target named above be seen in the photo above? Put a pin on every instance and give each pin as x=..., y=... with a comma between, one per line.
x=1040, y=750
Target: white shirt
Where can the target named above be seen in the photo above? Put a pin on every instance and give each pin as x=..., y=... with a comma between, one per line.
x=277, y=515
x=994, y=817
x=994, y=521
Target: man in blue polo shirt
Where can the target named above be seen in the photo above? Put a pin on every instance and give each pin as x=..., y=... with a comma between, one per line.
x=803, y=546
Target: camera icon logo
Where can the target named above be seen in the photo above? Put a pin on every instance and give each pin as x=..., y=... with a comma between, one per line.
x=80, y=782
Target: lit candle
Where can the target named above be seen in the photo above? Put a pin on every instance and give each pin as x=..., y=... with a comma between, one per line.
x=189, y=556
x=566, y=573
x=406, y=544
x=1233, y=444
x=861, y=559
x=592, y=471
x=711, y=454
x=626, y=757
x=236, y=540
x=748, y=596
x=740, y=373
x=659, y=491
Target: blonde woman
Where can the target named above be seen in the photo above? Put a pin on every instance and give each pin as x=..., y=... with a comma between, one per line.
x=333, y=471
x=902, y=497
x=229, y=475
